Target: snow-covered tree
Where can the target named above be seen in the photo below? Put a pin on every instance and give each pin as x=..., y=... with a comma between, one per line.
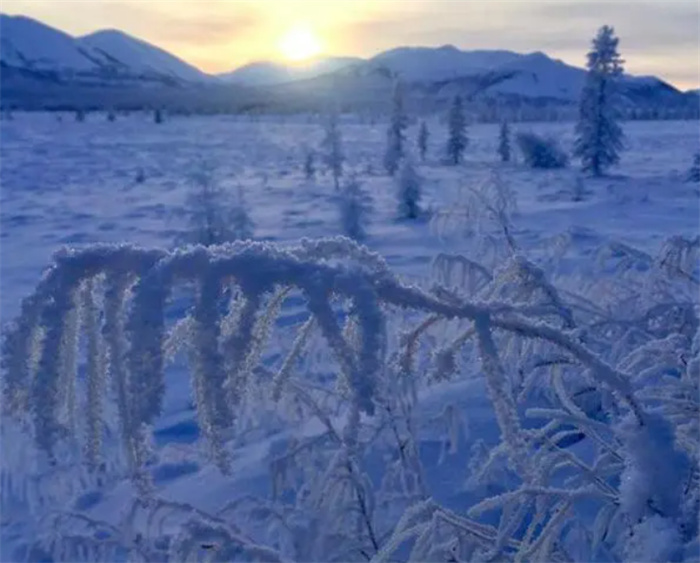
x=408, y=186
x=353, y=207
x=423, y=136
x=599, y=137
x=332, y=148
x=694, y=172
x=215, y=215
x=504, y=142
x=395, y=134
x=457, y=132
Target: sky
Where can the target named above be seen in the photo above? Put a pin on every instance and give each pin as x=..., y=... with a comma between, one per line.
x=657, y=37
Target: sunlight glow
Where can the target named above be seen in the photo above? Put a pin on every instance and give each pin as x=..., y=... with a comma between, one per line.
x=299, y=43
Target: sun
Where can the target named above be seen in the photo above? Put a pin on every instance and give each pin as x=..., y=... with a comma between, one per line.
x=299, y=44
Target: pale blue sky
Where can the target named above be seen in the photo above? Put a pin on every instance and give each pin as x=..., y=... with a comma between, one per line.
x=658, y=37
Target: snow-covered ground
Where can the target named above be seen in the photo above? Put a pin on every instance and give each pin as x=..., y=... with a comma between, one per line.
x=76, y=183
x=69, y=183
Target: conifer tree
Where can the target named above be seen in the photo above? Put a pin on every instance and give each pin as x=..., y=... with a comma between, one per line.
x=395, y=135
x=504, y=142
x=423, y=136
x=409, y=190
x=457, y=127
x=599, y=137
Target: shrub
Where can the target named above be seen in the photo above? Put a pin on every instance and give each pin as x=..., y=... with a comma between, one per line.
x=541, y=152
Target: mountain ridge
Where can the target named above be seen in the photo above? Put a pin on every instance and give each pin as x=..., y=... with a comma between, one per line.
x=39, y=60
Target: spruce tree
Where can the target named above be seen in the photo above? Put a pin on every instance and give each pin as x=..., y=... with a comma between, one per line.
x=504, y=142
x=457, y=126
x=395, y=135
x=423, y=136
x=332, y=148
x=599, y=137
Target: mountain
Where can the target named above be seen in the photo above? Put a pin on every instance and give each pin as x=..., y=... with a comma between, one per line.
x=31, y=45
x=267, y=73
x=425, y=64
x=34, y=51
x=139, y=57
x=45, y=67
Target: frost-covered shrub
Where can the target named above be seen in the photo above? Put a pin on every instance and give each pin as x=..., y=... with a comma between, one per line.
x=215, y=215
x=578, y=191
x=332, y=148
x=591, y=387
x=541, y=152
x=354, y=207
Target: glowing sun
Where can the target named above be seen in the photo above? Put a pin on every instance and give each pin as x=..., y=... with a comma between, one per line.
x=299, y=44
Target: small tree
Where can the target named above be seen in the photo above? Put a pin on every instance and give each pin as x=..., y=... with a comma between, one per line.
x=395, y=135
x=599, y=137
x=309, y=165
x=694, y=172
x=457, y=128
x=214, y=217
x=80, y=115
x=158, y=116
x=423, y=136
x=353, y=208
x=332, y=148
x=409, y=190
x=504, y=142
x=579, y=191
x=241, y=226
x=111, y=115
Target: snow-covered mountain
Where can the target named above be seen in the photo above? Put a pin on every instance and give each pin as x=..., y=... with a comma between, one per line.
x=29, y=46
x=426, y=64
x=44, y=67
x=266, y=73
x=138, y=56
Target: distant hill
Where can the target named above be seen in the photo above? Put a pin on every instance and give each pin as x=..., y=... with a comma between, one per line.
x=266, y=73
